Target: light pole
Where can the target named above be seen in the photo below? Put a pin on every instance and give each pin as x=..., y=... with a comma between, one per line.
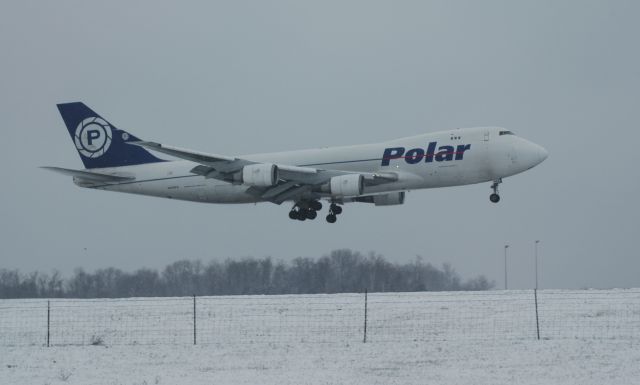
x=505, y=266
x=535, y=246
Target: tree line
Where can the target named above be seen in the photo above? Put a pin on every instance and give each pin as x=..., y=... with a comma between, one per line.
x=342, y=271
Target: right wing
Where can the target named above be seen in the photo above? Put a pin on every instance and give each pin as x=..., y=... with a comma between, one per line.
x=293, y=182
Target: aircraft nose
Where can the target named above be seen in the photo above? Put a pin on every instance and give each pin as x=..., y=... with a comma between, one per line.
x=535, y=154
x=542, y=154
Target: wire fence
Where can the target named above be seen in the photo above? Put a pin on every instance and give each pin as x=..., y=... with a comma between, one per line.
x=336, y=318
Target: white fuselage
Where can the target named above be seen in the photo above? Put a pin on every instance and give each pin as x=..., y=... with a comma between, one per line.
x=487, y=154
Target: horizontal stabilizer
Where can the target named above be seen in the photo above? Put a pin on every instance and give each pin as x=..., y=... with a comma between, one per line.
x=90, y=176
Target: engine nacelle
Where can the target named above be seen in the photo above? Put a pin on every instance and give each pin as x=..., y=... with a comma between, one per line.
x=347, y=185
x=261, y=174
x=390, y=199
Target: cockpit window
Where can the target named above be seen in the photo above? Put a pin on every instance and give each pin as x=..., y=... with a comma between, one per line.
x=506, y=133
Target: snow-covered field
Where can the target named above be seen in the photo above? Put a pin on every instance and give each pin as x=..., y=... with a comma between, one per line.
x=587, y=337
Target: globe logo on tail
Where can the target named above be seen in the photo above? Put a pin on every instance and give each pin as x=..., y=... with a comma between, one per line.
x=93, y=137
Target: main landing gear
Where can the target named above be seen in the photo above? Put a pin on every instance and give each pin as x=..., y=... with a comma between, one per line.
x=334, y=211
x=304, y=210
x=495, y=197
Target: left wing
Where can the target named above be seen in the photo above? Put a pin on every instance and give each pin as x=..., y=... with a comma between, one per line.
x=90, y=176
x=273, y=182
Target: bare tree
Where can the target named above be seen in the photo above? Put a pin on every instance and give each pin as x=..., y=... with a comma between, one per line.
x=341, y=271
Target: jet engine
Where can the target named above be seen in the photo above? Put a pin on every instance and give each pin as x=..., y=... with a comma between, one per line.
x=261, y=174
x=346, y=185
x=390, y=199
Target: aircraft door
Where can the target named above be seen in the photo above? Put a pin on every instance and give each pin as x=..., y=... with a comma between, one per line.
x=483, y=171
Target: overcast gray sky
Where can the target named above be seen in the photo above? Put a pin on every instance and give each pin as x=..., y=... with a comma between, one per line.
x=238, y=77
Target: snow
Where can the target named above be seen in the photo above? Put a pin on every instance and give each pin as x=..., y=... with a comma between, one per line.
x=588, y=337
x=442, y=362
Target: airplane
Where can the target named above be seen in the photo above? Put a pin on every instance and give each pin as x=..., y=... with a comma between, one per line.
x=377, y=173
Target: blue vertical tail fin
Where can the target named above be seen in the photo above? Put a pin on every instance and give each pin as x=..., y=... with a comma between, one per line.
x=100, y=143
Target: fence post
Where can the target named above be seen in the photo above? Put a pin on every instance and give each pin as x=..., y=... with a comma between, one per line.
x=48, y=321
x=365, y=316
x=194, y=319
x=535, y=296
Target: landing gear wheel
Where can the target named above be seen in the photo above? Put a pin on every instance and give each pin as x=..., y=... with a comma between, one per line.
x=299, y=214
x=334, y=211
x=495, y=198
x=305, y=209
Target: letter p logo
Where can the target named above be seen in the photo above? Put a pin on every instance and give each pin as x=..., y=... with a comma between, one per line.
x=391, y=153
x=93, y=137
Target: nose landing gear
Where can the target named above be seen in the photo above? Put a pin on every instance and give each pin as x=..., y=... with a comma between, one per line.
x=495, y=197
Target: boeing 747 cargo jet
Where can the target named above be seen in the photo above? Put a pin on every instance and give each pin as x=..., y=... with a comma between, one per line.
x=378, y=173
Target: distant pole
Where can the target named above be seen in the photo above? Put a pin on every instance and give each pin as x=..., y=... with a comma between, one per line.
x=194, y=319
x=48, y=321
x=536, y=257
x=505, y=266
x=365, y=316
x=535, y=296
